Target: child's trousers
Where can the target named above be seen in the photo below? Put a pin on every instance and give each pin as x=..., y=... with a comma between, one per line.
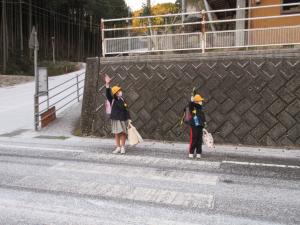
x=196, y=134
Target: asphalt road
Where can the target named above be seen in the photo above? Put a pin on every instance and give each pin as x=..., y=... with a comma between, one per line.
x=80, y=184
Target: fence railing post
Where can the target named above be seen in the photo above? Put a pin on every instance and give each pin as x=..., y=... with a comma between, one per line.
x=36, y=112
x=203, y=36
x=102, y=37
x=77, y=80
x=48, y=99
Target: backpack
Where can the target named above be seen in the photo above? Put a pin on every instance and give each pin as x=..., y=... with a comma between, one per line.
x=108, y=106
x=187, y=116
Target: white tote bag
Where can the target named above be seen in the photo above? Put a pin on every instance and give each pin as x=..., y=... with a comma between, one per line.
x=208, y=139
x=133, y=135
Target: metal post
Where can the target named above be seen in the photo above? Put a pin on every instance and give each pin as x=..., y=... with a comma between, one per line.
x=36, y=112
x=102, y=37
x=129, y=25
x=36, y=87
x=203, y=31
x=249, y=23
x=48, y=100
x=240, y=24
x=36, y=97
x=77, y=87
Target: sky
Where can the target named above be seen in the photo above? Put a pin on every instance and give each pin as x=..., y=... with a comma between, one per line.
x=137, y=4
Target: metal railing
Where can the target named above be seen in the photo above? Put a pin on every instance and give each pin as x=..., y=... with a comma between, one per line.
x=142, y=35
x=59, y=96
x=253, y=37
x=154, y=43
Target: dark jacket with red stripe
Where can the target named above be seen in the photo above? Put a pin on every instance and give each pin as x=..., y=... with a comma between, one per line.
x=119, y=110
x=199, y=113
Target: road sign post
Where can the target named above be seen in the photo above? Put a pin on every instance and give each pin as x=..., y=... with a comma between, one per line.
x=43, y=83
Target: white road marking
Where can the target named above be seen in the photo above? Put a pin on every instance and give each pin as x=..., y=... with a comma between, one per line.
x=180, y=163
x=76, y=211
x=261, y=164
x=126, y=192
x=40, y=148
x=146, y=173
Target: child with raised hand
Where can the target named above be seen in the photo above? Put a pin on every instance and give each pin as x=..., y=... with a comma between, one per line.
x=119, y=116
x=197, y=123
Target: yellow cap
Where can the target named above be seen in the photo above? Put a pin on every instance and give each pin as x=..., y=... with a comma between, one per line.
x=198, y=98
x=115, y=89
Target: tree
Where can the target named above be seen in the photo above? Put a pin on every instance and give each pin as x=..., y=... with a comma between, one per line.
x=159, y=9
x=74, y=23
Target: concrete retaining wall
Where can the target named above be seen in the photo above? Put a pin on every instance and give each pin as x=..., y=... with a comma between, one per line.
x=251, y=98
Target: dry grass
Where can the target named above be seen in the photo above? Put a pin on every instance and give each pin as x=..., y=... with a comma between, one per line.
x=11, y=80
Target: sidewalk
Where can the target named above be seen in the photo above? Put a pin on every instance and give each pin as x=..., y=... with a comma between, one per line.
x=158, y=147
x=219, y=150
x=16, y=108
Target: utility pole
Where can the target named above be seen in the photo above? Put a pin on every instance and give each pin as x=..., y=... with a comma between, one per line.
x=183, y=10
x=34, y=44
x=149, y=6
x=149, y=23
x=149, y=14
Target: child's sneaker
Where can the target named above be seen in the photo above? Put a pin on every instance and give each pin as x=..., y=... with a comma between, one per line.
x=123, y=151
x=191, y=156
x=117, y=150
x=198, y=156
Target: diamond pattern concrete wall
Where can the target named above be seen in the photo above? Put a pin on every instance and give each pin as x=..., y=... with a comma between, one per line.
x=251, y=98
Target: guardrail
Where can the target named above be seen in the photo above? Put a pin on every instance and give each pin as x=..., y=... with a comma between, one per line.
x=120, y=37
x=58, y=97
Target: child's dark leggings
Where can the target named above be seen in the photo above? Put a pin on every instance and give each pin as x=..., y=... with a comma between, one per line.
x=196, y=139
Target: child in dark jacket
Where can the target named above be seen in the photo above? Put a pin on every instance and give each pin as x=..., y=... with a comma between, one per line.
x=119, y=116
x=197, y=123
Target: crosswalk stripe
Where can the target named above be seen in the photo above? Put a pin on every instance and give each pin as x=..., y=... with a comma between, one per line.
x=35, y=207
x=126, y=192
x=180, y=163
x=261, y=164
x=147, y=173
x=40, y=148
